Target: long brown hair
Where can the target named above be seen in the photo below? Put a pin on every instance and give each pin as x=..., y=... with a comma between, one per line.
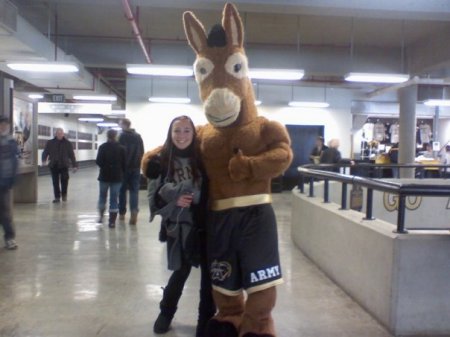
x=169, y=151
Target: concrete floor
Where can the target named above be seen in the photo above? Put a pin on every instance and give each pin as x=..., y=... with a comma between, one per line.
x=71, y=277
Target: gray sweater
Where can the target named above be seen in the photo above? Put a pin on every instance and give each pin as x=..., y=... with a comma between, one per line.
x=178, y=220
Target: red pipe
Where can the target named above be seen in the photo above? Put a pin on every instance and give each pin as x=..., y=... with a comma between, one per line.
x=137, y=32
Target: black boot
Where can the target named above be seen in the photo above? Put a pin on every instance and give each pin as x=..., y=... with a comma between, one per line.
x=112, y=219
x=101, y=213
x=216, y=328
x=162, y=323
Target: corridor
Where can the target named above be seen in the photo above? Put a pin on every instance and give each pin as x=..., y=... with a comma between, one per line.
x=72, y=277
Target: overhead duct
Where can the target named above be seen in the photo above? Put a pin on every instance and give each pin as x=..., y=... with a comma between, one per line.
x=425, y=92
x=8, y=16
x=386, y=109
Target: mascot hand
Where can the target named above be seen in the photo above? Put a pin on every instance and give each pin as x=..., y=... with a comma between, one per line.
x=239, y=166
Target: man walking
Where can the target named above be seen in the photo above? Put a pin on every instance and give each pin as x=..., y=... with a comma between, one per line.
x=134, y=149
x=60, y=152
x=8, y=170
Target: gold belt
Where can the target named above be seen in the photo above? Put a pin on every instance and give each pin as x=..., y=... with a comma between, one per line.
x=246, y=200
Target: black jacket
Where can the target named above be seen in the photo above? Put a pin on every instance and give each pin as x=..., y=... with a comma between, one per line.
x=134, y=148
x=60, y=153
x=111, y=160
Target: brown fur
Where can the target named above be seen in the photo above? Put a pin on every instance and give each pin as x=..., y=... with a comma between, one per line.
x=147, y=157
x=265, y=145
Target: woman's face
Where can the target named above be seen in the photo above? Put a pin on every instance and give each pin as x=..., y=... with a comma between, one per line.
x=182, y=133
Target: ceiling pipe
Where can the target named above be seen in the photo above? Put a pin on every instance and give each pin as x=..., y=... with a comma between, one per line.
x=137, y=32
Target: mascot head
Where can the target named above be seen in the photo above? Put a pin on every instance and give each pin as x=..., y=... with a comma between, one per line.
x=221, y=69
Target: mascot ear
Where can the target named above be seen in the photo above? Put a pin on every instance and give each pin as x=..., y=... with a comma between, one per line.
x=232, y=23
x=195, y=32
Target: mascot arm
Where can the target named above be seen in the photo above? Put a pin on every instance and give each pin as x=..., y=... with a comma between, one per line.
x=150, y=164
x=269, y=164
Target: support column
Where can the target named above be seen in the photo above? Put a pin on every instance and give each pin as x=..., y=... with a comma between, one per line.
x=407, y=97
x=6, y=86
x=436, y=129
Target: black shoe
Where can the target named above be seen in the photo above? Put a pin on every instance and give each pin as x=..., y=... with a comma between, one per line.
x=162, y=324
x=55, y=201
x=64, y=198
x=216, y=328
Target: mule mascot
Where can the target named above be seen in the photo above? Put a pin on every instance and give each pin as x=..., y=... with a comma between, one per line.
x=242, y=153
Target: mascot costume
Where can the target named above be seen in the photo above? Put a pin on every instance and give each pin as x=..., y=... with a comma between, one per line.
x=241, y=153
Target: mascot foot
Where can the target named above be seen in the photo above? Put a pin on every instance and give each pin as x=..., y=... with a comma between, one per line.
x=252, y=334
x=217, y=328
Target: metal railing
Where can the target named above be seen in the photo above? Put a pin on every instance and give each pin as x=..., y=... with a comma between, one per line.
x=311, y=172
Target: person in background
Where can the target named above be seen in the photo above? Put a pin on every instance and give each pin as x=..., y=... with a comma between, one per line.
x=134, y=149
x=445, y=159
x=331, y=155
x=316, y=152
x=427, y=150
x=60, y=153
x=393, y=157
x=178, y=192
x=112, y=160
x=8, y=170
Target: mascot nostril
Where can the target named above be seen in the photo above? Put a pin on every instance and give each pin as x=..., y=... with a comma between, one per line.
x=222, y=107
x=241, y=152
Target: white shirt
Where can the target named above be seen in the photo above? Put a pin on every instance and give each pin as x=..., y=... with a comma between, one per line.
x=394, y=130
x=368, y=131
x=379, y=132
x=425, y=133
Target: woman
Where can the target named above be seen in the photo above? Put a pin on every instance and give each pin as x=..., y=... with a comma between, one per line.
x=177, y=192
x=111, y=160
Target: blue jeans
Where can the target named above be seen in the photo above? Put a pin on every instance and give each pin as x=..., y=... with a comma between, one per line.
x=114, y=189
x=130, y=182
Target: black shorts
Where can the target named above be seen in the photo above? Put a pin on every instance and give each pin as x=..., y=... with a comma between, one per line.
x=243, y=249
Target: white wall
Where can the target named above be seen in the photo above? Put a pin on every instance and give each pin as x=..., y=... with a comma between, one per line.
x=152, y=120
x=444, y=131
x=398, y=278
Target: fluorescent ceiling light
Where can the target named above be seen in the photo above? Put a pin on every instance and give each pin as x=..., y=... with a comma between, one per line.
x=309, y=104
x=376, y=78
x=44, y=67
x=276, y=74
x=177, y=100
x=108, y=125
x=103, y=98
x=91, y=119
x=160, y=70
x=36, y=96
x=437, y=102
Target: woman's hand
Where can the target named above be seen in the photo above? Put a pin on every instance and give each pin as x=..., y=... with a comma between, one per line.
x=185, y=200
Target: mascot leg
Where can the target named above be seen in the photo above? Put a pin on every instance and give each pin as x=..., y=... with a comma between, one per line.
x=257, y=320
x=228, y=318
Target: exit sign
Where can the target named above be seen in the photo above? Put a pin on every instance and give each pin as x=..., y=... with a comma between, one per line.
x=55, y=98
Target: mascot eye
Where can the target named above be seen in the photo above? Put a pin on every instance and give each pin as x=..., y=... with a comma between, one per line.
x=237, y=66
x=202, y=69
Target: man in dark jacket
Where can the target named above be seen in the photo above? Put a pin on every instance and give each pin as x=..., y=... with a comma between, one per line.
x=8, y=170
x=331, y=155
x=60, y=152
x=134, y=149
x=111, y=161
